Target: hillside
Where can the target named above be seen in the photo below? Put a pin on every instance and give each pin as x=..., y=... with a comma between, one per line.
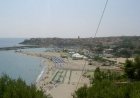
x=84, y=42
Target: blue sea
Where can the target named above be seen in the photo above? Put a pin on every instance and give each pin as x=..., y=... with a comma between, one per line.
x=17, y=65
x=9, y=42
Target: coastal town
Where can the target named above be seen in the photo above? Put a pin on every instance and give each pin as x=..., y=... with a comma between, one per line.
x=69, y=49
x=67, y=69
x=69, y=64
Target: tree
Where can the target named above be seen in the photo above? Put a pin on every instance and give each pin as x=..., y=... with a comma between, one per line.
x=137, y=67
x=82, y=92
x=97, y=74
x=123, y=53
x=10, y=88
x=132, y=68
x=106, y=87
x=129, y=69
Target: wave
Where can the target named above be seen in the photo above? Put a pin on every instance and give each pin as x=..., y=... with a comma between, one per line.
x=42, y=72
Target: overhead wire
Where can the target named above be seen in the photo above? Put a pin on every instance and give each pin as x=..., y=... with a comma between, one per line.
x=101, y=18
x=81, y=74
x=98, y=26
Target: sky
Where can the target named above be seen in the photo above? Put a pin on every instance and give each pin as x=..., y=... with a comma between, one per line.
x=68, y=18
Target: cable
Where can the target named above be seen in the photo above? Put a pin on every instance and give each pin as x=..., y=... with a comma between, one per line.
x=81, y=74
x=101, y=19
x=94, y=37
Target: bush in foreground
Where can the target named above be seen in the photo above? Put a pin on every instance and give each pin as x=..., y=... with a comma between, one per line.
x=132, y=69
x=109, y=85
x=108, y=89
x=10, y=88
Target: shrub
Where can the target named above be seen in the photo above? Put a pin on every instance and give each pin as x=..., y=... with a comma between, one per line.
x=10, y=88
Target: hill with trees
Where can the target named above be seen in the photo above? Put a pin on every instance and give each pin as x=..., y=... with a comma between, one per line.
x=123, y=41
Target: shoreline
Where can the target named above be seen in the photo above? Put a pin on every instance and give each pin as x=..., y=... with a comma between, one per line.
x=43, y=63
x=18, y=47
x=55, y=80
x=40, y=75
x=61, y=80
x=26, y=67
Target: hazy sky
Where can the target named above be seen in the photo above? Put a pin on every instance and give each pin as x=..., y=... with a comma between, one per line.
x=68, y=18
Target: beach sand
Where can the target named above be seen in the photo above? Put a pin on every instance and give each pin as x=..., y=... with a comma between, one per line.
x=61, y=82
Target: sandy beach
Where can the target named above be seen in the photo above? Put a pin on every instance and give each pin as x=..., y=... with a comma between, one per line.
x=61, y=79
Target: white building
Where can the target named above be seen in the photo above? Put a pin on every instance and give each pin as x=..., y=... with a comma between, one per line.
x=77, y=56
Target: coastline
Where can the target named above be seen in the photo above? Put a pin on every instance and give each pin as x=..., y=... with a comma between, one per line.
x=59, y=74
x=55, y=79
x=18, y=47
x=40, y=75
x=20, y=66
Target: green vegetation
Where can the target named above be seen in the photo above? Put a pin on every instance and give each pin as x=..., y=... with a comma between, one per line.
x=108, y=89
x=10, y=88
x=100, y=43
x=132, y=69
x=107, y=84
x=123, y=53
x=107, y=75
x=99, y=59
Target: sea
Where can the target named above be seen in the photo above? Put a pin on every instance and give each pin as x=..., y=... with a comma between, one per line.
x=17, y=65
